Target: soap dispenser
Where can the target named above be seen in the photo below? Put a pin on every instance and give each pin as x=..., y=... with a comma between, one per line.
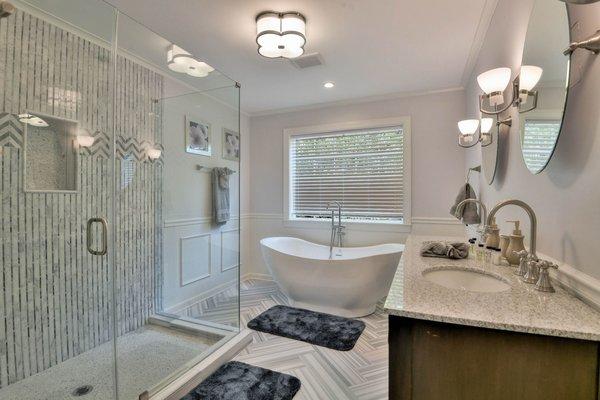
x=515, y=245
x=493, y=237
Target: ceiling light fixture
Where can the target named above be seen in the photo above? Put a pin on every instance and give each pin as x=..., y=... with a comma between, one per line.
x=328, y=85
x=32, y=120
x=181, y=61
x=280, y=35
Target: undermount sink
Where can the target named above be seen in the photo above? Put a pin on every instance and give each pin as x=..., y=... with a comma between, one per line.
x=466, y=279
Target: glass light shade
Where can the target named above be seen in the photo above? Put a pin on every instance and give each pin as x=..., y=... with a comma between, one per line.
x=268, y=22
x=292, y=40
x=494, y=80
x=293, y=23
x=529, y=77
x=271, y=40
x=154, y=154
x=468, y=126
x=85, y=140
x=269, y=52
x=486, y=124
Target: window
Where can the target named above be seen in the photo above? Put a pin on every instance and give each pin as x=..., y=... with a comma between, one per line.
x=364, y=169
x=538, y=140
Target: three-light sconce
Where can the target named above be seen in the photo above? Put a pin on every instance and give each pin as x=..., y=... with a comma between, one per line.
x=492, y=102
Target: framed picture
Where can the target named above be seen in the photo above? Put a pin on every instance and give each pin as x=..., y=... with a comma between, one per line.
x=197, y=136
x=231, y=145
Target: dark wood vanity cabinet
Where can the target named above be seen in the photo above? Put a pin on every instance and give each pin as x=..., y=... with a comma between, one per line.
x=439, y=361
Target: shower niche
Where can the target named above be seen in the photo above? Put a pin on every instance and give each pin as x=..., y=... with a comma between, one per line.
x=51, y=153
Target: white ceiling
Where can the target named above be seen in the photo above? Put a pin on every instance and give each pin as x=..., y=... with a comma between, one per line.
x=370, y=47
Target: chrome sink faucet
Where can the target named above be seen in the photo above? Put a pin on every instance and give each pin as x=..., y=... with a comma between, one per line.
x=337, y=232
x=484, y=223
x=534, y=269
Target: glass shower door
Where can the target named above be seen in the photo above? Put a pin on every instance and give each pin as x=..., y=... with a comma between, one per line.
x=56, y=146
x=176, y=265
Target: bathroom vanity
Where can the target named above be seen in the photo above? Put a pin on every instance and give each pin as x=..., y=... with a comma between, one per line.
x=459, y=330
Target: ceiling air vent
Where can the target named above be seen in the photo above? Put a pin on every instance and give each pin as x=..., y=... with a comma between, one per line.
x=307, y=61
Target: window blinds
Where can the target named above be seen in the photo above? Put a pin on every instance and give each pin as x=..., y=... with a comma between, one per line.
x=364, y=170
x=538, y=142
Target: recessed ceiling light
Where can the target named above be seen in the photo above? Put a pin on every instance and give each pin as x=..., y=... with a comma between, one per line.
x=328, y=85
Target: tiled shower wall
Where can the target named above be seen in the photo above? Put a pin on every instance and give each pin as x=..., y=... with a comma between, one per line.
x=56, y=298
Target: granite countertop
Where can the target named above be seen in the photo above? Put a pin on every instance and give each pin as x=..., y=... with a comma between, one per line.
x=520, y=309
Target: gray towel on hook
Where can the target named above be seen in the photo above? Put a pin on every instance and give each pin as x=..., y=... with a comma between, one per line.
x=454, y=250
x=220, y=195
x=469, y=214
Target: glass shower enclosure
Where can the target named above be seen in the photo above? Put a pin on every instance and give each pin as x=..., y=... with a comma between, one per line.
x=119, y=212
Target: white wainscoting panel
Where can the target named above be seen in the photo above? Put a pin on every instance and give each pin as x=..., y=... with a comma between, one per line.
x=230, y=245
x=194, y=258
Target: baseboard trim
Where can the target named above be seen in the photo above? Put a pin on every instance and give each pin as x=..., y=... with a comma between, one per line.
x=256, y=276
x=176, y=309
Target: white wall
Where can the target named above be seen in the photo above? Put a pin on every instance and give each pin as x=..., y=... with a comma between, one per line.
x=438, y=168
x=192, y=243
x=566, y=196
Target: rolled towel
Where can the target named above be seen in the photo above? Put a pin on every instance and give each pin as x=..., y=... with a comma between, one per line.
x=455, y=250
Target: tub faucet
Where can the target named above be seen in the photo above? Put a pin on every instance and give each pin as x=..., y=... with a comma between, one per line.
x=337, y=232
x=536, y=269
x=484, y=223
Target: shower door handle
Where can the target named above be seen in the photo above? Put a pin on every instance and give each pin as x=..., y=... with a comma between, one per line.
x=104, y=249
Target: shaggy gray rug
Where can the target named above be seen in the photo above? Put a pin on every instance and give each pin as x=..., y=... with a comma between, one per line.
x=238, y=381
x=313, y=327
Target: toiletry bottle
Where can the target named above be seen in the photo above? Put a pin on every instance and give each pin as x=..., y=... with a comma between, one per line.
x=496, y=256
x=472, y=247
x=515, y=245
x=493, y=237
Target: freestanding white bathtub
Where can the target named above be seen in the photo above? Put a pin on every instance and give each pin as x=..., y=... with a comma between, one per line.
x=349, y=284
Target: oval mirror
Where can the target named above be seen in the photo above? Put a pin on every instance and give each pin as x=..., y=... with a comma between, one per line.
x=489, y=150
x=547, y=38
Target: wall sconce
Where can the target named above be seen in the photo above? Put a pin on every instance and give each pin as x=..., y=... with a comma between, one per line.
x=85, y=140
x=154, y=153
x=494, y=83
x=470, y=127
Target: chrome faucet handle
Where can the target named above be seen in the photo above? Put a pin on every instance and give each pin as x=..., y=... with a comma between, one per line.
x=533, y=270
x=544, y=283
x=523, y=260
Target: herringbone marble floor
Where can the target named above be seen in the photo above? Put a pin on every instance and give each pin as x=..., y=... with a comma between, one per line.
x=359, y=374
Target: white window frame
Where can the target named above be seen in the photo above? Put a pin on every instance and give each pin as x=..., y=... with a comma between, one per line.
x=391, y=226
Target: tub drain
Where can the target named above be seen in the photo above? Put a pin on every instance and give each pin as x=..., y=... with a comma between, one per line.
x=82, y=390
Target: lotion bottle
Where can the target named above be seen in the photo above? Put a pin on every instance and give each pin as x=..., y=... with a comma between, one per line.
x=493, y=237
x=515, y=245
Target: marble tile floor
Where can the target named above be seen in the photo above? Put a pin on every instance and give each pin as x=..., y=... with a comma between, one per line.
x=359, y=374
x=145, y=357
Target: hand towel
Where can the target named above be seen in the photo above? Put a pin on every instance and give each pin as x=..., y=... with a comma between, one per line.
x=220, y=195
x=469, y=214
x=454, y=250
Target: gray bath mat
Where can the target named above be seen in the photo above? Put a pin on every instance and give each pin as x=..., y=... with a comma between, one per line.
x=313, y=327
x=238, y=381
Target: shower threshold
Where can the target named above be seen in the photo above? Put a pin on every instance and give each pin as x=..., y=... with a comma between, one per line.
x=146, y=357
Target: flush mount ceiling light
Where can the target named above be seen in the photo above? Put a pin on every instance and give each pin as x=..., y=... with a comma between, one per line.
x=280, y=35
x=328, y=85
x=32, y=120
x=181, y=61
x=495, y=81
